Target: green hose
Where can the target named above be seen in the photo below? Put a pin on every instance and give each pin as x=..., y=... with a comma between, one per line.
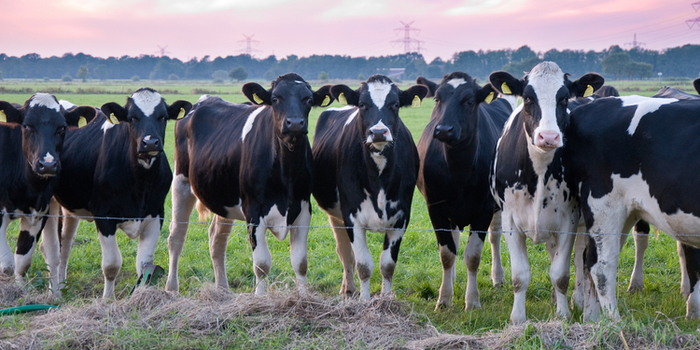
x=26, y=308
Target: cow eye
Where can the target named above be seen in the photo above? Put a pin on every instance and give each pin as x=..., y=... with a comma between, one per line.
x=27, y=128
x=274, y=99
x=61, y=130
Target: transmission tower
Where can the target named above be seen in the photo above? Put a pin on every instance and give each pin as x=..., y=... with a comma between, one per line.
x=635, y=44
x=248, y=45
x=693, y=22
x=408, y=42
x=161, y=50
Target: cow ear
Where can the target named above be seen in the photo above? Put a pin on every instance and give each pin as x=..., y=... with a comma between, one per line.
x=80, y=116
x=345, y=95
x=256, y=94
x=322, y=96
x=114, y=112
x=413, y=96
x=696, y=85
x=179, y=109
x=486, y=94
x=10, y=114
x=432, y=87
x=586, y=85
x=506, y=84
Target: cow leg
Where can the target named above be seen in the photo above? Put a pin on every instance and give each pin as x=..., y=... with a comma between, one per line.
x=641, y=242
x=7, y=261
x=685, y=281
x=497, y=274
x=363, y=260
x=389, y=257
x=520, y=273
x=692, y=265
x=343, y=248
x=448, y=244
x=29, y=233
x=604, y=271
x=183, y=201
x=50, y=246
x=559, y=272
x=111, y=256
x=579, y=275
x=262, y=259
x=591, y=304
x=472, y=258
x=148, y=239
x=298, y=236
x=219, y=231
x=67, y=236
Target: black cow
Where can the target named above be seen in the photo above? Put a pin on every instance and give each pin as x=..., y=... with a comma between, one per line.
x=365, y=168
x=247, y=162
x=528, y=178
x=456, y=149
x=32, y=144
x=638, y=164
x=115, y=171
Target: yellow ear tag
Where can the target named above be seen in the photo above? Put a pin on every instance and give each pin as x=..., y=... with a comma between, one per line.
x=326, y=101
x=82, y=122
x=3, y=117
x=181, y=114
x=257, y=99
x=341, y=99
x=489, y=98
x=589, y=91
x=113, y=119
x=505, y=89
x=416, y=102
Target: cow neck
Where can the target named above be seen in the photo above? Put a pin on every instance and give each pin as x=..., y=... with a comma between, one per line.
x=292, y=162
x=463, y=153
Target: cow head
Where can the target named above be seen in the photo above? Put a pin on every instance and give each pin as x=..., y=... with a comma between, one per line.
x=457, y=100
x=378, y=101
x=545, y=92
x=44, y=123
x=147, y=114
x=291, y=99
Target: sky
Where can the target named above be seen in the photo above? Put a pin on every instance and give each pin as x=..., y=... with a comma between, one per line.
x=187, y=29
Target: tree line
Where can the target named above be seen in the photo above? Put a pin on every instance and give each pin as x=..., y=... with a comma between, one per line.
x=615, y=62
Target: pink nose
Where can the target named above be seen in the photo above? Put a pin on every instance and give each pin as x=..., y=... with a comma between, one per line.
x=548, y=139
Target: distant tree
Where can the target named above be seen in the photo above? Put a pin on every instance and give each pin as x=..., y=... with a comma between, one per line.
x=0, y=75
x=219, y=75
x=82, y=73
x=66, y=77
x=323, y=76
x=519, y=68
x=271, y=74
x=135, y=78
x=47, y=79
x=173, y=77
x=238, y=74
x=101, y=72
x=616, y=64
x=639, y=70
x=361, y=77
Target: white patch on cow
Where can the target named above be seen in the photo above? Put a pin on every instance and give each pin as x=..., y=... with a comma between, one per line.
x=338, y=109
x=546, y=79
x=299, y=82
x=541, y=159
x=202, y=98
x=645, y=105
x=147, y=137
x=380, y=160
x=45, y=100
x=235, y=212
x=351, y=117
x=367, y=217
x=512, y=100
x=106, y=126
x=147, y=164
x=457, y=82
x=48, y=158
x=378, y=91
x=147, y=101
x=66, y=105
x=249, y=122
x=81, y=214
x=132, y=228
x=630, y=197
x=276, y=223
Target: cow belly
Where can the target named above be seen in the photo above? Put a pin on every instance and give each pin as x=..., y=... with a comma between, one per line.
x=634, y=195
x=537, y=221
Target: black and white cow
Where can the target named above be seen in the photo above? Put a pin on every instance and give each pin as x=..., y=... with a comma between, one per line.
x=32, y=144
x=456, y=150
x=365, y=168
x=116, y=173
x=634, y=158
x=247, y=162
x=528, y=178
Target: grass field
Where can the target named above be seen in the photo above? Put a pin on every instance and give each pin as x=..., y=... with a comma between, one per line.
x=418, y=273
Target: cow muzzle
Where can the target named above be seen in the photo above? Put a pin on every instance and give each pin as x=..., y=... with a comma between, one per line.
x=149, y=149
x=46, y=168
x=295, y=126
x=548, y=140
x=444, y=133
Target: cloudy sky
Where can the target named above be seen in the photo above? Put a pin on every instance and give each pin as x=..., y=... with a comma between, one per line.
x=194, y=28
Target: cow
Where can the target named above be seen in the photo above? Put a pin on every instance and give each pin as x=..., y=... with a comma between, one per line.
x=456, y=149
x=250, y=163
x=365, y=169
x=528, y=179
x=116, y=174
x=639, y=164
x=32, y=144
x=606, y=91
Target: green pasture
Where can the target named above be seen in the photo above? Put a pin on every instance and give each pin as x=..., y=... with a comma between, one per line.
x=418, y=273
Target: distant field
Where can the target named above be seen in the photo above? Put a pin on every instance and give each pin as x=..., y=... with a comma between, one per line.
x=418, y=272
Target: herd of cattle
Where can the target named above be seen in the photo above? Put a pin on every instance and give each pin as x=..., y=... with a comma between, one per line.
x=563, y=161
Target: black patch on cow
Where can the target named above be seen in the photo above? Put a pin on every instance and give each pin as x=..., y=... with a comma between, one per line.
x=363, y=272
x=517, y=285
x=692, y=264
x=395, y=249
x=25, y=242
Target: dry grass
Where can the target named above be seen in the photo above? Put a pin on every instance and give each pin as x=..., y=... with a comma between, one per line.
x=310, y=321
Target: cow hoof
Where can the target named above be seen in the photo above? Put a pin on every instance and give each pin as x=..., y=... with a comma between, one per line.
x=8, y=271
x=634, y=288
x=472, y=305
x=442, y=305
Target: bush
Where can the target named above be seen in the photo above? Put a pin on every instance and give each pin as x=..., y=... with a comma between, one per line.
x=46, y=79
x=173, y=77
x=238, y=73
x=323, y=76
x=135, y=78
x=66, y=77
x=361, y=77
x=217, y=81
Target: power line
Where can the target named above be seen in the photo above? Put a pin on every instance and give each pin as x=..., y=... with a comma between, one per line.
x=408, y=42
